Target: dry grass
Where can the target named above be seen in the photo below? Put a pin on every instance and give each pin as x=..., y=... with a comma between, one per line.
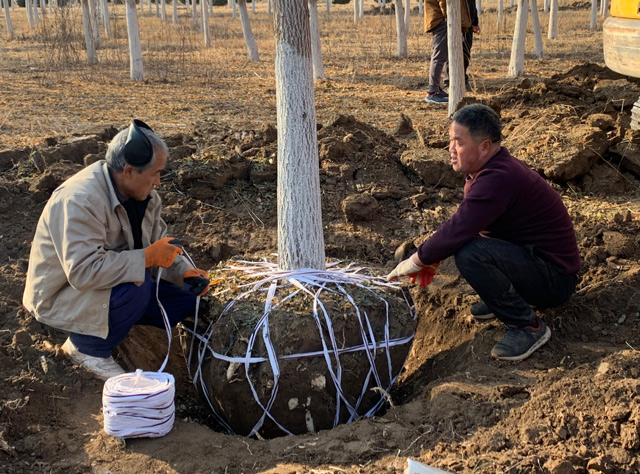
x=49, y=89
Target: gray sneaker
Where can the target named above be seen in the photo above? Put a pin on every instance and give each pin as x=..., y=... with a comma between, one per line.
x=481, y=312
x=439, y=97
x=520, y=343
x=101, y=367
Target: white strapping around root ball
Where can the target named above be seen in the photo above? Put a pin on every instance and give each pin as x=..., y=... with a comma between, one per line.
x=267, y=277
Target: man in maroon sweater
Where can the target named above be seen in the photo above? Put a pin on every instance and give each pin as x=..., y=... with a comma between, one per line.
x=512, y=237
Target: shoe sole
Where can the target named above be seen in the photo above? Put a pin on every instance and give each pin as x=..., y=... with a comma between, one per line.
x=539, y=343
x=435, y=102
x=484, y=317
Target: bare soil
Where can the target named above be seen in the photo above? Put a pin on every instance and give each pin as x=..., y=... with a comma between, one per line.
x=573, y=407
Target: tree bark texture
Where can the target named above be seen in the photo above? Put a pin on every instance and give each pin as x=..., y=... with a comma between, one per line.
x=136, y=69
x=456, y=64
x=537, y=33
x=92, y=57
x=249, y=39
x=300, y=238
x=401, y=32
x=516, y=64
x=553, y=20
x=316, y=47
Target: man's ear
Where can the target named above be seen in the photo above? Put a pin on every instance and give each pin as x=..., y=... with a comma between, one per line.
x=128, y=170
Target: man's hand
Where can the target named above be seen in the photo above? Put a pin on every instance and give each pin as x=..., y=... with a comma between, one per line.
x=198, y=281
x=162, y=252
x=423, y=273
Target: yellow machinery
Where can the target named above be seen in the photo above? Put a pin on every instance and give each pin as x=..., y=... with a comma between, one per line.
x=621, y=40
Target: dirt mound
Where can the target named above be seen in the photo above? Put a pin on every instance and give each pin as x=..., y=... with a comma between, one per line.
x=573, y=407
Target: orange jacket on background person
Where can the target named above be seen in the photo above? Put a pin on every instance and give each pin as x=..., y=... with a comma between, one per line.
x=436, y=10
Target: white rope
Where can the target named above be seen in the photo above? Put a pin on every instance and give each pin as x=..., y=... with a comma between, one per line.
x=313, y=282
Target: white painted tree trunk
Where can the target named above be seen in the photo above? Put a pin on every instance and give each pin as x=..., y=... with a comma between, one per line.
x=516, y=65
x=194, y=14
x=249, y=39
x=149, y=6
x=300, y=239
x=479, y=6
x=7, y=16
x=43, y=8
x=328, y=6
x=500, y=22
x=204, y=6
x=210, y=8
x=94, y=9
x=407, y=16
x=92, y=57
x=512, y=3
x=163, y=10
x=420, y=7
x=553, y=20
x=34, y=7
x=356, y=11
x=136, y=69
x=456, y=64
x=547, y=4
x=361, y=10
x=401, y=33
x=594, y=15
x=537, y=34
x=106, y=20
x=316, y=47
x=234, y=12
x=253, y=6
x=29, y=9
x=174, y=5
x=605, y=8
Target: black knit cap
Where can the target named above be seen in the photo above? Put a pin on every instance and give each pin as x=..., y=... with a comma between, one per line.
x=137, y=149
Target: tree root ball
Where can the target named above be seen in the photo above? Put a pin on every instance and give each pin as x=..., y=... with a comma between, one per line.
x=306, y=371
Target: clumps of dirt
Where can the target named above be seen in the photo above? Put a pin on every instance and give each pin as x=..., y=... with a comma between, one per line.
x=320, y=354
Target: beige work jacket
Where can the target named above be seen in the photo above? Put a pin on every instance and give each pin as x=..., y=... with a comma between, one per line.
x=83, y=247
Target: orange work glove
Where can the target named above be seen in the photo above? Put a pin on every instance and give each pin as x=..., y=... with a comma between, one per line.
x=423, y=273
x=162, y=252
x=198, y=281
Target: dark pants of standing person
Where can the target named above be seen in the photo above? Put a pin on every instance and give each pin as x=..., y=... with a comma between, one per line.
x=131, y=304
x=467, y=43
x=511, y=278
x=439, y=56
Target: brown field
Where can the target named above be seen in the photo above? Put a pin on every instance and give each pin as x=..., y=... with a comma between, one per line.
x=573, y=407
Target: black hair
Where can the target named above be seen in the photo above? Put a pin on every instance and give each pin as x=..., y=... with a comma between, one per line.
x=482, y=122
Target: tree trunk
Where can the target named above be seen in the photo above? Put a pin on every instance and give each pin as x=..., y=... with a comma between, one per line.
x=94, y=10
x=27, y=5
x=594, y=15
x=92, y=57
x=516, y=65
x=7, y=17
x=553, y=20
x=500, y=22
x=300, y=238
x=401, y=32
x=456, y=64
x=163, y=10
x=356, y=10
x=194, y=14
x=135, y=47
x=316, y=47
x=174, y=5
x=407, y=16
x=479, y=6
x=106, y=20
x=249, y=39
x=537, y=34
x=34, y=8
x=204, y=6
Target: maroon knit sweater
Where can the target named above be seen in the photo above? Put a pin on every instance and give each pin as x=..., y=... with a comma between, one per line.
x=509, y=201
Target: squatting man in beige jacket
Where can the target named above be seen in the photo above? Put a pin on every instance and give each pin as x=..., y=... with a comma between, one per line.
x=97, y=250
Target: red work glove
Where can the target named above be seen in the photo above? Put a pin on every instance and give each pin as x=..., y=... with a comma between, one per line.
x=423, y=273
x=162, y=252
x=198, y=281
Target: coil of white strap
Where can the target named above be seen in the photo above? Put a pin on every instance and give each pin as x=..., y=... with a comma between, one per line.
x=141, y=404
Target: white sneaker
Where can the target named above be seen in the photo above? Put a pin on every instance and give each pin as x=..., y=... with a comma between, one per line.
x=101, y=367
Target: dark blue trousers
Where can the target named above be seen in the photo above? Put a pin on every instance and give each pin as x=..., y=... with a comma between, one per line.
x=511, y=278
x=131, y=304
